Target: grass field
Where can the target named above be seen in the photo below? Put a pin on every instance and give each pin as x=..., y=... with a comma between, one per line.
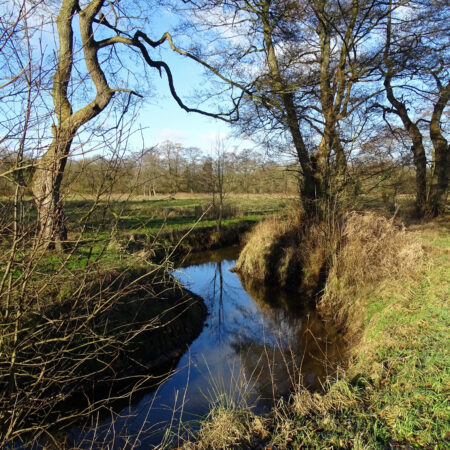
x=176, y=212
x=105, y=231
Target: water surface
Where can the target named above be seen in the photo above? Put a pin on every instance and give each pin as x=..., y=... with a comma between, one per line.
x=257, y=343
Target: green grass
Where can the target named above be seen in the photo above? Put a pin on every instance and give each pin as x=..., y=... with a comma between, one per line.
x=398, y=385
x=91, y=220
x=101, y=231
x=410, y=335
x=174, y=213
x=169, y=213
x=394, y=392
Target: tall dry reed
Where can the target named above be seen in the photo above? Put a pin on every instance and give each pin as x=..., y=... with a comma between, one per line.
x=372, y=250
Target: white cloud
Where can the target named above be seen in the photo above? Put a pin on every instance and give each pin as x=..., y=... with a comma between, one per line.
x=170, y=134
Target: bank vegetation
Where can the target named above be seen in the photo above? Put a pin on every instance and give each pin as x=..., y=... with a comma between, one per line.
x=387, y=291
x=346, y=103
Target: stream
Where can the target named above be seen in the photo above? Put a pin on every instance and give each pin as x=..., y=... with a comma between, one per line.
x=257, y=343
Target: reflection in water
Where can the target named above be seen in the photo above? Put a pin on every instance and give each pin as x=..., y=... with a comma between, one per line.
x=258, y=343
x=294, y=347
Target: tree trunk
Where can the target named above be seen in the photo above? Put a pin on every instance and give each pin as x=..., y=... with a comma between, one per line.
x=46, y=183
x=46, y=186
x=310, y=188
x=341, y=159
x=335, y=90
x=420, y=161
x=439, y=180
x=47, y=179
x=417, y=148
x=219, y=217
x=400, y=109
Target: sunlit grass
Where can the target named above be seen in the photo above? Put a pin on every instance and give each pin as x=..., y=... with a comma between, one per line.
x=101, y=230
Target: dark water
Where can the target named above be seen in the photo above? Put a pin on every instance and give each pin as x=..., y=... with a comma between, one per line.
x=258, y=342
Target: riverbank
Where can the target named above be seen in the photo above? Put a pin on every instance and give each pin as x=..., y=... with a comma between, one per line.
x=173, y=244
x=393, y=391
x=104, y=318
x=98, y=336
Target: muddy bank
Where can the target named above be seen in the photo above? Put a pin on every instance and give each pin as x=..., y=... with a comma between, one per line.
x=180, y=242
x=163, y=318
x=142, y=310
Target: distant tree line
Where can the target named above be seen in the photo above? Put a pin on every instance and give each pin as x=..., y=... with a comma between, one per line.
x=170, y=168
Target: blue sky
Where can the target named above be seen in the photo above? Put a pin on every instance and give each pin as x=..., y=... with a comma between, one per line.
x=164, y=120
x=160, y=118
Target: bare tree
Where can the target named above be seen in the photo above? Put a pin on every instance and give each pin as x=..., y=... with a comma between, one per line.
x=94, y=18
x=61, y=319
x=415, y=58
x=308, y=60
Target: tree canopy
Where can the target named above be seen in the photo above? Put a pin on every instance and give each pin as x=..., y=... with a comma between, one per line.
x=317, y=78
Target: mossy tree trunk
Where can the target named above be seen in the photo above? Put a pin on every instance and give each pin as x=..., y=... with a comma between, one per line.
x=337, y=78
x=339, y=69
x=46, y=190
x=417, y=147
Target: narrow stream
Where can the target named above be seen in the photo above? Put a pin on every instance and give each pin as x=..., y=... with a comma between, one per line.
x=256, y=344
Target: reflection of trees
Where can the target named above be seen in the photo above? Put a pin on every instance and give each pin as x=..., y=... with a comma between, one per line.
x=294, y=345
x=218, y=274
x=218, y=293
x=277, y=335
x=220, y=290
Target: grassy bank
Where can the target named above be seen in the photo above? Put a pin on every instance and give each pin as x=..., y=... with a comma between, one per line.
x=163, y=221
x=389, y=291
x=284, y=251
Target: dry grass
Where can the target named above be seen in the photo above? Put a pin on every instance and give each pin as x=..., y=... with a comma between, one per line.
x=285, y=251
x=373, y=248
x=224, y=428
x=389, y=288
x=270, y=246
x=372, y=251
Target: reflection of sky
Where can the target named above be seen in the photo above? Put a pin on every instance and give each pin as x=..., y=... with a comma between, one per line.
x=227, y=351
x=204, y=280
